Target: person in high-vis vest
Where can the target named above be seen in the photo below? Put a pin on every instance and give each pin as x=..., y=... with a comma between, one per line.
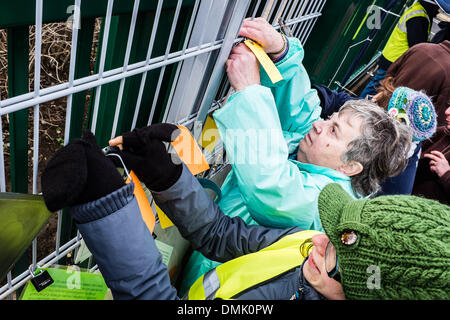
x=413, y=27
x=391, y=247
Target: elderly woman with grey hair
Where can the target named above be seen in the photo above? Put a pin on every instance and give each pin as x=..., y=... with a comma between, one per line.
x=358, y=147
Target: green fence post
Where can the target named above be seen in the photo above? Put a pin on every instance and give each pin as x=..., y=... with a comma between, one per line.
x=18, y=48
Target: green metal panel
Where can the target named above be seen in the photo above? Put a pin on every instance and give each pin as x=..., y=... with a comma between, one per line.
x=18, y=47
x=115, y=58
x=18, y=128
x=344, y=24
x=21, y=12
x=82, y=69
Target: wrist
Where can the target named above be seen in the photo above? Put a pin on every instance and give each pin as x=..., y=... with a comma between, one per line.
x=279, y=57
x=282, y=50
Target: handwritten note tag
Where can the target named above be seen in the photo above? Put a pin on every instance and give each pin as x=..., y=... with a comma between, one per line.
x=270, y=68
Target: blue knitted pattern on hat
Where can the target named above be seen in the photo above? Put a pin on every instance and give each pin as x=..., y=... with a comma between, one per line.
x=420, y=111
x=423, y=117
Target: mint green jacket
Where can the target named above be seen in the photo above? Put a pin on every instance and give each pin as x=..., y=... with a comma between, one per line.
x=265, y=186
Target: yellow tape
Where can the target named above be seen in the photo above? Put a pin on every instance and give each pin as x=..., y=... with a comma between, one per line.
x=210, y=135
x=268, y=65
x=163, y=219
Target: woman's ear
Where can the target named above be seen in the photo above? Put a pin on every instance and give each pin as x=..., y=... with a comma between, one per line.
x=351, y=169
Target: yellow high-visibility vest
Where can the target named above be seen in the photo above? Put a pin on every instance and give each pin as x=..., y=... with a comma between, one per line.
x=398, y=41
x=242, y=273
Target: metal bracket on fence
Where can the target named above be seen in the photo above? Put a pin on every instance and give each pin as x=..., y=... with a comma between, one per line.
x=345, y=89
x=285, y=29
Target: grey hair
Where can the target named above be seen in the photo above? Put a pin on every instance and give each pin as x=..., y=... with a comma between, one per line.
x=382, y=147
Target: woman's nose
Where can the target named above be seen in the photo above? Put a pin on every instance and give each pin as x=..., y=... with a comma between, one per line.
x=320, y=242
x=317, y=125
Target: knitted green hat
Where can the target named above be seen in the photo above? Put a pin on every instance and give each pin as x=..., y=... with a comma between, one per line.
x=396, y=247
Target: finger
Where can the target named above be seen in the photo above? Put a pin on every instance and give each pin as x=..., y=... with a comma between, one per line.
x=116, y=142
x=431, y=156
x=250, y=32
x=260, y=19
x=438, y=154
x=240, y=47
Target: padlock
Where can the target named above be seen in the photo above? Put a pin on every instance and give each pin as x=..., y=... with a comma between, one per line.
x=41, y=280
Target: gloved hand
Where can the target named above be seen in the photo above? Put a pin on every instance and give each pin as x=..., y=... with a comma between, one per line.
x=79, y=173
x=145, y=153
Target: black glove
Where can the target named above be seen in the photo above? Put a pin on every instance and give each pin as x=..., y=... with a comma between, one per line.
x=146, y=154
x=79, y=173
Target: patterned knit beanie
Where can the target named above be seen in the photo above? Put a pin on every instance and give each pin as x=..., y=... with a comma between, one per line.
x=389, y=247
x=416, y=110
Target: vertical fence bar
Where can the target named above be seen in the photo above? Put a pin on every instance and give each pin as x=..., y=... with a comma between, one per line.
x=309, y=22
x=163, y=69
x=280, y=10
x=37, y=84
x=34, y=254
x=37, y=48
x=149, y=53
x=274, y=4
x=299, y=13
x=288, y=13
x=300, y=7
x=102, y=63
x=58, y=233
x=314, y=21
x=265, y=12
x=256, y=9
x=186, y=41
x=200, y=41
x=73, y=58
x=239, y=10
x=125, y=66
x=9, y=279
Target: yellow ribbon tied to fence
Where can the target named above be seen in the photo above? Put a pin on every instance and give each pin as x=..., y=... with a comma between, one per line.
x=268, y=65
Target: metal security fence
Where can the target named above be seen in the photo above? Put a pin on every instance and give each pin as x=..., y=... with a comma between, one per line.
x=155, y=61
